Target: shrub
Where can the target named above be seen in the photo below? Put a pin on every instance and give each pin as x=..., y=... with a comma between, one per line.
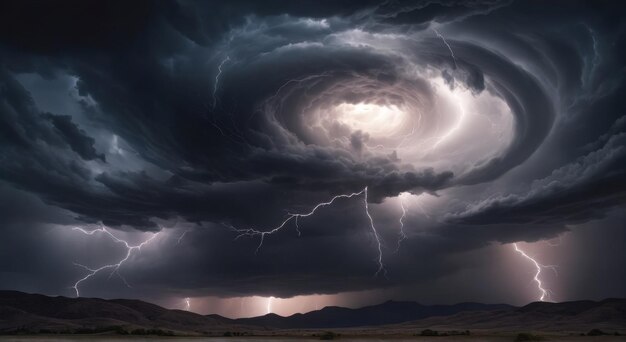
x=527, y=337
x=596, y=332
x=329, y=335
x=429, y=332
x=138, y=332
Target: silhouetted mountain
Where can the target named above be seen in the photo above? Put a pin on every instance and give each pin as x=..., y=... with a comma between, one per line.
x=577, y=316
x=385, y=313
x=32, y=313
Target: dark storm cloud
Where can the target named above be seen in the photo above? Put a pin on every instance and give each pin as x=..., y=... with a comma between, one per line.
x=134, y=198
x=207, y=100
x=191, y=139
x=574, y=193
x=534, y=113
x=424, y=12
x=75, y=137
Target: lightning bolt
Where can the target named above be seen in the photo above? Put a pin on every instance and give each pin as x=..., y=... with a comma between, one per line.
x=231, y=133
x=381, y=266
x=402, y=235
x=251, y=232
x=269, y=305
x=544, y=293
x=443, y=39
x=182, y=236
x=403, y=206
x=114, y=267
x=187, y=304
x=217, y=79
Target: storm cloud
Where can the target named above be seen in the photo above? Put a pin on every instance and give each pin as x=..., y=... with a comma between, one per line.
x=502, y=121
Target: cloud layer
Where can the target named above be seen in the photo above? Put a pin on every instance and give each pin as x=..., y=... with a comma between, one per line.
x=506, y=119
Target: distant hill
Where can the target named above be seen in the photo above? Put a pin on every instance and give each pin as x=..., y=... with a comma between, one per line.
x=32, y=313
x=577, y=316
x=385, y=313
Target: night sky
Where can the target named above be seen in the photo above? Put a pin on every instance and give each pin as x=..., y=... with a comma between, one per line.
x=246, y=157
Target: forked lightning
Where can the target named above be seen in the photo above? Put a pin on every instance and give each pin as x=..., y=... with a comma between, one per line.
x=114, y=267
x=250, y=232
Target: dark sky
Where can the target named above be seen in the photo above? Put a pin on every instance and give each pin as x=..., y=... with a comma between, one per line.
x=176, y=138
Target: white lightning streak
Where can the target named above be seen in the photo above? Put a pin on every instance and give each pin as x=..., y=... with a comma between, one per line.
x=538, y=266
x=251, y=232
x=115, y=267
x=290, y=216
x=182, y=236
x=381, y=266
x=443, y=39
x=187, y=304
x=269, y=305
x=401, y=233
x=217, y=79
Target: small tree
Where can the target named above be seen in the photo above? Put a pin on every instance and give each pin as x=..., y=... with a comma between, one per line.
x=329, y=335
x=596, y=332
x=522, y=337
x=429, y=332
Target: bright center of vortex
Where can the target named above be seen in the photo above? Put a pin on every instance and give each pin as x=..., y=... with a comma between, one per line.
x=374, y=119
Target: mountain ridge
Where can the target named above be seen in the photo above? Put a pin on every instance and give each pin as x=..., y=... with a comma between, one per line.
x=35, y=313
x=373, y=315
